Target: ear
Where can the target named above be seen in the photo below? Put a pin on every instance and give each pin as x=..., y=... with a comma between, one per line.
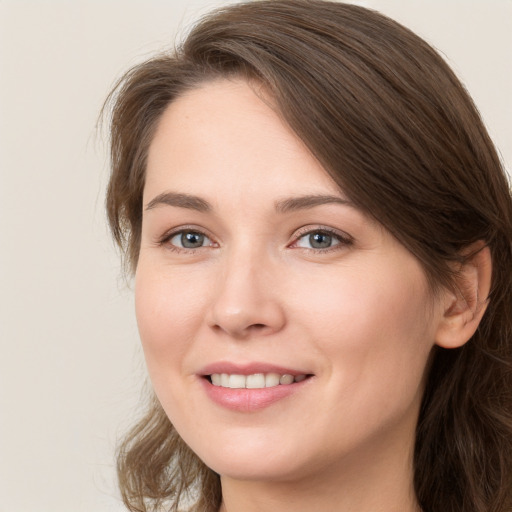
x=465, y=306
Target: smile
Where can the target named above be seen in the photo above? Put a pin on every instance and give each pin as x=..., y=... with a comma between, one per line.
x=253, y=386
x=254, y=381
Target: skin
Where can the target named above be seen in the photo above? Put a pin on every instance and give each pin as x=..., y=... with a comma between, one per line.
x=358, y=316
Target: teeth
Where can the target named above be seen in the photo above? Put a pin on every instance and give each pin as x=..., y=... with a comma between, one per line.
x=271, y=380
x=254, y=381
x=286, y=379
x=237, y=381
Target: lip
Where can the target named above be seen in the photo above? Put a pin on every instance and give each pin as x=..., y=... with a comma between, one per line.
x=249, y=400
x=249, y=369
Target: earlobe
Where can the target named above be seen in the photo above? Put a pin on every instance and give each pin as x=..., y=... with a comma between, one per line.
x=465, y=306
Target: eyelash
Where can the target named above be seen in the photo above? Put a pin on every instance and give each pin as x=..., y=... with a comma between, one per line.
x=344, y=240
x=167, y=237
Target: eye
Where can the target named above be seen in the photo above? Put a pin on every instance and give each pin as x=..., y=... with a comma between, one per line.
x=321, y=239
x=317, y=240
x=189, y=239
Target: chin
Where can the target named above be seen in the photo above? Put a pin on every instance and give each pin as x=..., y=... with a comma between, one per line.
x=248, y=459
x=255, y=469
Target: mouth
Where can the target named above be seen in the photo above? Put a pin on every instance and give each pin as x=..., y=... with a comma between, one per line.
x=255, y=380
x=249, y=387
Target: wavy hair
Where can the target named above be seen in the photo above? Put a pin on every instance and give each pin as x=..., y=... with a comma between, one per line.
x=394, y=127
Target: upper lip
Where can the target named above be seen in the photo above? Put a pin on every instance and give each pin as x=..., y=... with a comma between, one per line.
x=249, y=369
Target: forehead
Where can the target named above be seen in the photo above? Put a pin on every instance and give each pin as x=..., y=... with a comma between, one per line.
x=226, y=137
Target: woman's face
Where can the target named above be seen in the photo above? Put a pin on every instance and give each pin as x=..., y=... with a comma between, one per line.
x=255, y=269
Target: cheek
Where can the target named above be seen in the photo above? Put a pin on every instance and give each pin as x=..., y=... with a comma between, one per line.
x=354, y=300
x=169, y=309
x=374, y=333
x=373, y=327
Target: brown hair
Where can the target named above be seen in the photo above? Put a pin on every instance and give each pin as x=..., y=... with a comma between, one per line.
x=389, y=121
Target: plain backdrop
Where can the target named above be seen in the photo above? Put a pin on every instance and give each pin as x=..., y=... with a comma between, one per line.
x=71, y=371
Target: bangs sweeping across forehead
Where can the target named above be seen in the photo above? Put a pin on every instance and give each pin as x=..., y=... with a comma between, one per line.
x=380, y=110
x=374, y=103
x=393, y=126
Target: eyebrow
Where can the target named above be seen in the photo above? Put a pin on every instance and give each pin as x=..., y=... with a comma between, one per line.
x=282, y=206
x=180, y=200
x=308, y=201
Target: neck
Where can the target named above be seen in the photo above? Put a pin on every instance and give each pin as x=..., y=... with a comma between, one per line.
x=374, y=480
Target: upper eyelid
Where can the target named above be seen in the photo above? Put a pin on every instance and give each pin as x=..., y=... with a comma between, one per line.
x=180, y=229
x=343, y=235
x=174, y=235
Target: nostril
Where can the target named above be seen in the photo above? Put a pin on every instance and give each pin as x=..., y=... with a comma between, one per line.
x=257, y=329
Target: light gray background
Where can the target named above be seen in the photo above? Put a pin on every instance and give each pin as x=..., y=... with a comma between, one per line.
x=71, y=372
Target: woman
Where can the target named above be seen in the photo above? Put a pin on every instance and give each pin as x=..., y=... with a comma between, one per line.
x=320, y=231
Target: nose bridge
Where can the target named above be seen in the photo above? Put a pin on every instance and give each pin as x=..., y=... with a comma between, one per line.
x=246, y=300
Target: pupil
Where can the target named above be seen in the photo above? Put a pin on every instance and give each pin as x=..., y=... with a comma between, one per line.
x=320, y=240
x=192, y=240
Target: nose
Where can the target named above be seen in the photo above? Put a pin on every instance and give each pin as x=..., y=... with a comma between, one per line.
x=246, y=300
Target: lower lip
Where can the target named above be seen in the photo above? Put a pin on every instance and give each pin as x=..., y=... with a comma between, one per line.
x=248, y=400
